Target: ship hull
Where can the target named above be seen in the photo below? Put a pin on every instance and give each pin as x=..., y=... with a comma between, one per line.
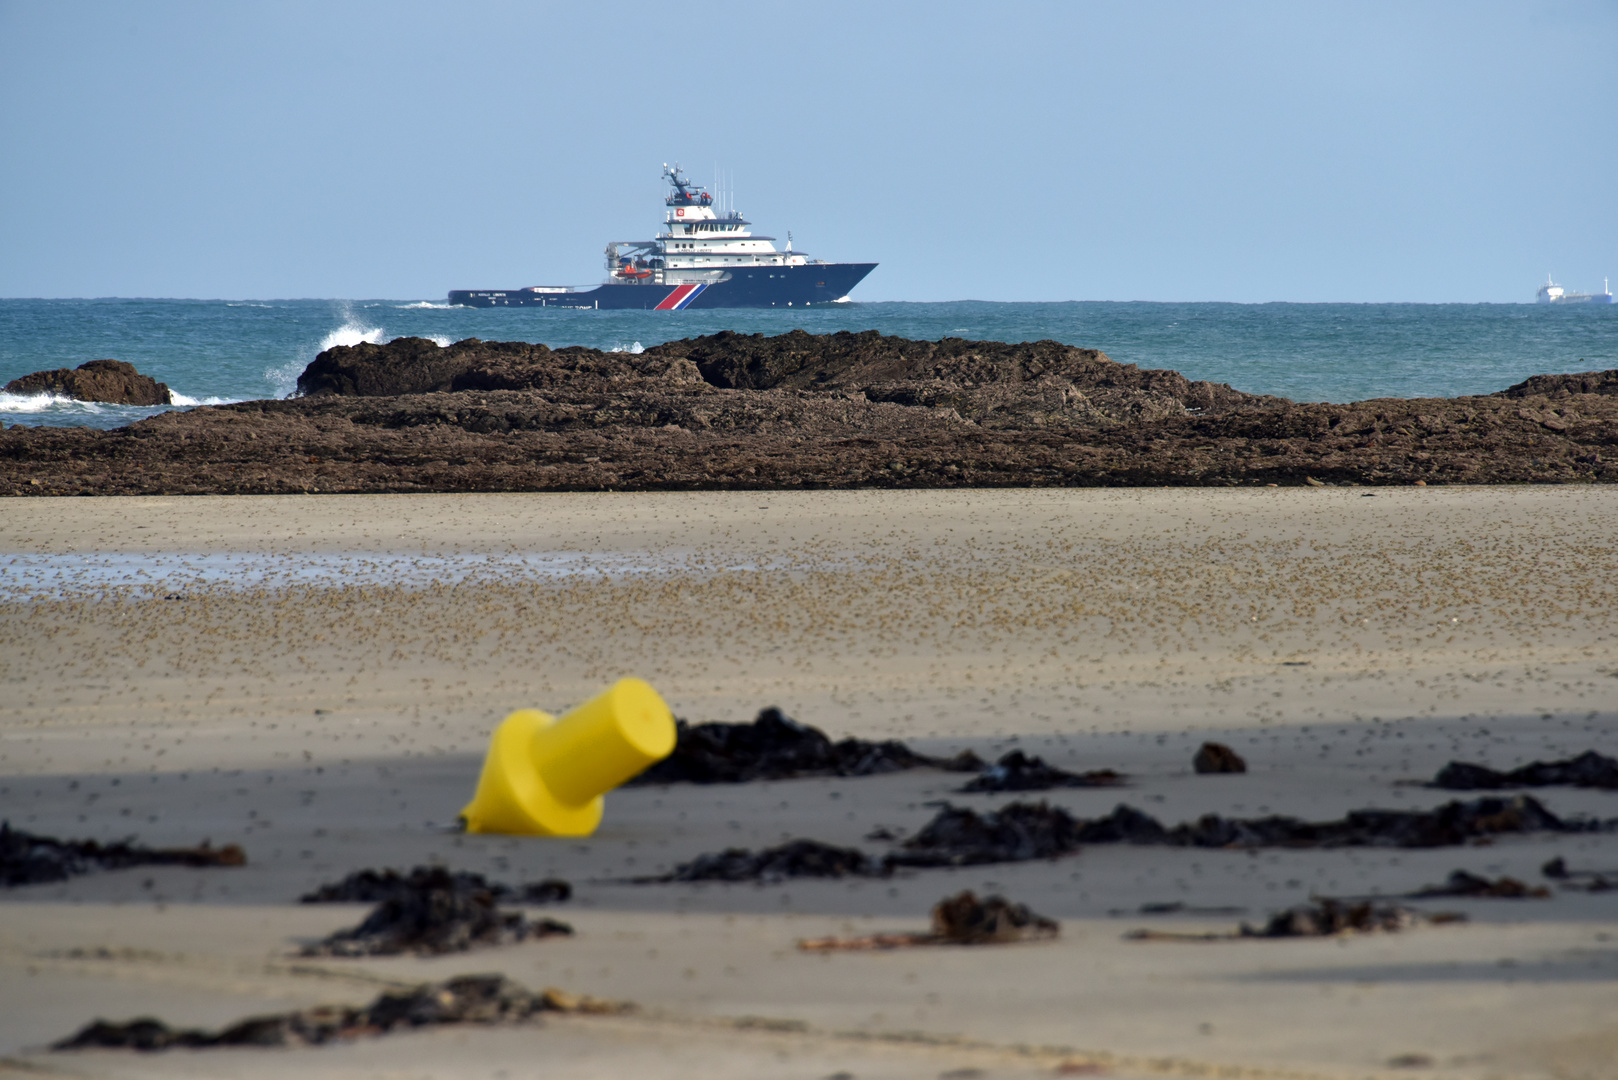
x=811, y=285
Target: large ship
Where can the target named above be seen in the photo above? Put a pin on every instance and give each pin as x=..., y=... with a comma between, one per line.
x=704, y=258
x=1552, y=293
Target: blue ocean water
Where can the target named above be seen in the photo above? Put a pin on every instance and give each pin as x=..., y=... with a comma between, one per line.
x=211, y=351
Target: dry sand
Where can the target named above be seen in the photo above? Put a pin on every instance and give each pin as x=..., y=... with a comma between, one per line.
x=315, y=678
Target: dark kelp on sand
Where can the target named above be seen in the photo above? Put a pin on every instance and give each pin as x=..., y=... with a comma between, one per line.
x=376, y=886
x=435, y=912
x=794, y=859
x=1017, y=771
x=1596, y=881
x=958, y=836
x=27, y=859
x=1021, y=831
x=1323, y=917
x=465, y=999
x=961, y=919
x=1589, y=769
x=776, y=747
x=1465, y=883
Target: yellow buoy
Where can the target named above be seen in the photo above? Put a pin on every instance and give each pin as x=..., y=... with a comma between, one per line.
x=546, y=776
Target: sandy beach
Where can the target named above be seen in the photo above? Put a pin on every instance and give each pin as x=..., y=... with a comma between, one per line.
x=315, y=678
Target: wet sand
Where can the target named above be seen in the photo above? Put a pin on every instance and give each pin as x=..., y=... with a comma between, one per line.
x=317, y=697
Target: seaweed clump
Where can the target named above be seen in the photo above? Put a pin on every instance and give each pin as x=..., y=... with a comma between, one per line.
x=1589, y=769
x=431, y=913
x=377, y=886
x=1017, y=771
x=466, y=999
x=776, y=747
x=794, y=859
x=961, y=919
x=1326, y=917
x=1020, y=831
x=28, y=859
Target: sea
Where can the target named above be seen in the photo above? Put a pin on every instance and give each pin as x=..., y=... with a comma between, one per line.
x=218, y=351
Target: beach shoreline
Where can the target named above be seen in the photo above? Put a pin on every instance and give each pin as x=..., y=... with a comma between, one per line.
x=323, y=697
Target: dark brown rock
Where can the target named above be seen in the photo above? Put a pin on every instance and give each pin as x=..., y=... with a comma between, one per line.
x=1585, y=382
x=111, y=381
x=1215, y=757
x=834, y=411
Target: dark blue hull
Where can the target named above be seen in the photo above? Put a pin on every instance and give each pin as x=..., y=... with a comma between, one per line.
x=747, y=287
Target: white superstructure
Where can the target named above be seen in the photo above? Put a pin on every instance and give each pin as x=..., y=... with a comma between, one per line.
x=1552, y=293
x=700, y=243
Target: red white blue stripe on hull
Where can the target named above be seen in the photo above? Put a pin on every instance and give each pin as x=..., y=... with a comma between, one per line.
x=681, y=297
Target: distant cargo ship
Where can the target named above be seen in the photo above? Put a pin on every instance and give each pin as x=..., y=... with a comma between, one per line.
x=704, y=258
x=1552, y=293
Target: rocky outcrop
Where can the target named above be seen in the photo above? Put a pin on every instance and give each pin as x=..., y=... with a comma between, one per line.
x=112, y=381
x=415, y=365
x=733, y=411
x=1585, y=382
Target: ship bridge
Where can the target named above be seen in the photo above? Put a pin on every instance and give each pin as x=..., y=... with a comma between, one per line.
x=699, y=243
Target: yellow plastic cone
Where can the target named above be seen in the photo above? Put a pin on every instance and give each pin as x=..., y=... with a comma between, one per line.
x=546, y=777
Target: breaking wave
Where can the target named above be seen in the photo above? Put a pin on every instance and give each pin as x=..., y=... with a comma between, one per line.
x=429, y=304
x=351, y=333
x=632, y=347
x=191, y=402
x=38, y=403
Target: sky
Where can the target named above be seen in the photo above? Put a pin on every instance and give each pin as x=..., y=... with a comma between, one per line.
x=1251, y=152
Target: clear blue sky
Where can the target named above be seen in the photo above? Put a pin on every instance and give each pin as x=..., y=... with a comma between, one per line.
x=997, y=151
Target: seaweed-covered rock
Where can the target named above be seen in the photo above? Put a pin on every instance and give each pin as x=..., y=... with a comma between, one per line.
x=112, y=381
x=28, y=859
x=1589, y=769
x=376, y=886
x=1213, y=757
x=1583, y=382
x=1017, y=771
x=776, y=747
x=794, y=859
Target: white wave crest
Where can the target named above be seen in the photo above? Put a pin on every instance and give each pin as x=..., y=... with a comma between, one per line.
x=191, y=402
x=37, y=403
x=351, y=333
x=440, y=340
x=425, y=304
x=633, y=347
